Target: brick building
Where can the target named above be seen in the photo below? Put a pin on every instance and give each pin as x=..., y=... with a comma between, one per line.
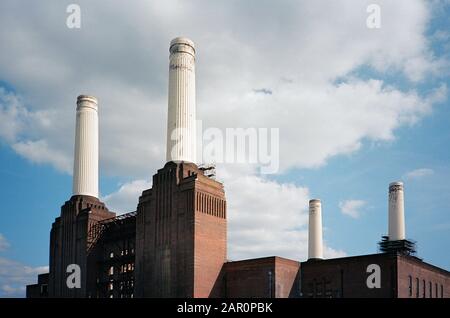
x=401, y=276
x=175, y=243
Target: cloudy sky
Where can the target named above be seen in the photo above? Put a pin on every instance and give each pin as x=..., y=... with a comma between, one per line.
x=356, y=108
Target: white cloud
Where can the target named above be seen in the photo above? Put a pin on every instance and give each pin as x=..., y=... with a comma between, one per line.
x=18, y=125
x=14, y=276
x=418, y=173
x=126, y=198
x=299, y=64
x=309, y=63
x=11, y=113
x=4, y=244
x=266, y=217
x=39, y=152
x=352, y=208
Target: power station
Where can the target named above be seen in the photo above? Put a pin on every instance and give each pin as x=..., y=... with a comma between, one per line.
x=175, y=243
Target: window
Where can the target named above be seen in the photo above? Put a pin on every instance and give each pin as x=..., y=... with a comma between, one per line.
x=44, y=289
x=430, y=284
x=436, y=288
x=410, y=285
x=424, y=289
x=319, y=289
x=111, y=255
x=111, y=270
x=314, y=288
x=417, y=288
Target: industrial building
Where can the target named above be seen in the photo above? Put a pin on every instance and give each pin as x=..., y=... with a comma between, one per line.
x=175, y=243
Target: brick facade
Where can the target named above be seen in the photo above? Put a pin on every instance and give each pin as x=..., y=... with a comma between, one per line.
x=175, y=245
x=401, y=277
x=180, y=234
x=269, y=277
x=69, y=244
x=417, y=279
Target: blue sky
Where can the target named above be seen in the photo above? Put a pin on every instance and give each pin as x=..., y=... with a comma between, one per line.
x=366, y=175
x=357, y=109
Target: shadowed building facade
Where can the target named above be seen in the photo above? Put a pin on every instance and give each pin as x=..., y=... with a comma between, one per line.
x=69, y=244
x=401, y=276
x=181, y=234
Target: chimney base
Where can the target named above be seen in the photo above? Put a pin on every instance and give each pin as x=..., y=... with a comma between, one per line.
x=404, y=247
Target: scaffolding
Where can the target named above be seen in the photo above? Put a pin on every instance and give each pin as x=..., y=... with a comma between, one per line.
x=209, y=170
x=403, y=247
x=112, y=244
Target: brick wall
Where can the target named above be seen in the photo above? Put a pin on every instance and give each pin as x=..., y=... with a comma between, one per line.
x=417, y=279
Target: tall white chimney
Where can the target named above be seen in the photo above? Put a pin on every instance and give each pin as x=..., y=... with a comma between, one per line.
x=85, y=168
x=181, y=128
x=396, y=212
x=315, y=243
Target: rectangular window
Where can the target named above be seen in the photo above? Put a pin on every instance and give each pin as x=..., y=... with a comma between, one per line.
x=44, y=289
x=417, y=288
x=424, y=289
x=314, y=289
x=319, y=289
x=410, y=285
x=430, y=285
x=436, y=288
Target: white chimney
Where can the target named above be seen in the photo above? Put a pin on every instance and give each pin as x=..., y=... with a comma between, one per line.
x=181, y=128
x=315, y=244
x=396, y=212
x=85, y=168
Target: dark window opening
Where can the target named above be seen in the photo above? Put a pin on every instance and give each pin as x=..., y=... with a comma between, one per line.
x=430, y=284
x=410, y=285
x=417, y=288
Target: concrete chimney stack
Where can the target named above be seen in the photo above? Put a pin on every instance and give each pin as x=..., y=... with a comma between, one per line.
x=315, y=243
x=396, y=212
x=85, y=168
x=181, y=126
